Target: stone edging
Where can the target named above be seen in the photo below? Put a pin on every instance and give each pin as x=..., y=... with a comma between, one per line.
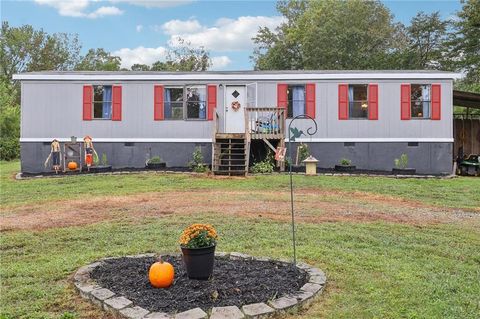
x=121, y=306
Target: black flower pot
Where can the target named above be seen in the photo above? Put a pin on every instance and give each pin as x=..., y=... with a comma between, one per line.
x=156, y=165
x=345, y=168
x=403, y=171
x=100, y=169
x=199, y=262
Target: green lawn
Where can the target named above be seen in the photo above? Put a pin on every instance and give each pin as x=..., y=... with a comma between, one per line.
x=375, y=269
x=462, y=192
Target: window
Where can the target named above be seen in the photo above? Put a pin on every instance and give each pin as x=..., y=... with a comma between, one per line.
x=196, y=102
x=173, y=103
x=420, y=100
x=296, y=100
x=102, y=102
x=358, y=101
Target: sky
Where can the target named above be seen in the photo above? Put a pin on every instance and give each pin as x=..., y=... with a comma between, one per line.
x=142, y=31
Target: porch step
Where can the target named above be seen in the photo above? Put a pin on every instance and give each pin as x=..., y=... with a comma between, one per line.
x=229, y=154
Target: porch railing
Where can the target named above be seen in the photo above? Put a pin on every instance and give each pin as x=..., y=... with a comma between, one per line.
x=265, y=122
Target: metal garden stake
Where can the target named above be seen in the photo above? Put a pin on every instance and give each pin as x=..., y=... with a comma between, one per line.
x=296, y=134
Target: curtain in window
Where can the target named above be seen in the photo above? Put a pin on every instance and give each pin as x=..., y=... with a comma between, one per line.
x=298, y=100
x=167, y=106
x=202, y=112
x=426, y=99
x=351, y=104
x=107, y=102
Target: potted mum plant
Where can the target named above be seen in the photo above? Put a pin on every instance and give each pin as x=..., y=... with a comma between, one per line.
x=198, y=243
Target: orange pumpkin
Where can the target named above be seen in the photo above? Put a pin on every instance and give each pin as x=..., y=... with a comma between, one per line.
x=161, y=274
x=72, y=165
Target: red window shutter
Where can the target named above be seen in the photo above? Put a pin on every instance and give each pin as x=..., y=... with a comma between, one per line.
x=282, y=95
x=310, y=99
x=212, y=101
x=158, y=113
x=116, y=103
x=405, y=102
x=343, y=101
x=373, y=101
x=87, y=102
x=436, y=102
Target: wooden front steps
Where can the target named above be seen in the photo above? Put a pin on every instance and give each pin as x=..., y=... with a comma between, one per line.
x=230, y=154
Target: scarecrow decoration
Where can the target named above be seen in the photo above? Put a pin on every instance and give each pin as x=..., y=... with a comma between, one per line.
x=89, y=151
x=54, y=155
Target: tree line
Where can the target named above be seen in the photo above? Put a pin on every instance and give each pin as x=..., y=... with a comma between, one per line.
x=363, y=35
x=315, y=35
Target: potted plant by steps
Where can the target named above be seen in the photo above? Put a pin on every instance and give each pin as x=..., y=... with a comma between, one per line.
x=401, y=166
x=100, y=166
x=198, y=243
x=156, y=163
x=345, y=166
x=196, y=164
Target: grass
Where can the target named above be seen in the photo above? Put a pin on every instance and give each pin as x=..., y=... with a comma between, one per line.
x=375, y=270
x=459, y=192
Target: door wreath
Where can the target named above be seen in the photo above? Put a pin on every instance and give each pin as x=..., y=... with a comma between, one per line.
x=236, y=105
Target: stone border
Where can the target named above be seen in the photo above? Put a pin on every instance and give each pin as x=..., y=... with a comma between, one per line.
x=121, y=306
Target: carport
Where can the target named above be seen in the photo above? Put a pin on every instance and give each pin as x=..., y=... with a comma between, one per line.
x=466, y=125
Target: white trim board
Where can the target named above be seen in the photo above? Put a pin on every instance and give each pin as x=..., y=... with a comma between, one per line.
x=235, y=76
x=209, y=140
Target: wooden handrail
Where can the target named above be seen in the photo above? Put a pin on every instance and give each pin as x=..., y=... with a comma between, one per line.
x=265, y=122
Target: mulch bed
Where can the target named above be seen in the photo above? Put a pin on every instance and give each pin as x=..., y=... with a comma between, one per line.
x=234, y=282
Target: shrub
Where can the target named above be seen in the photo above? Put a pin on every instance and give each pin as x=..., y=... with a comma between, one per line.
x=9, y=148
x=155, y=160
x=303, y=152
x=402, y=162
x=104, y=159
x=265, y=166
x=197, y=164
x=345, y=162
x=198, y=236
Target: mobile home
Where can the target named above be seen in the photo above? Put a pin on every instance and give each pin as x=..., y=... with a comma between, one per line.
x=369, y=117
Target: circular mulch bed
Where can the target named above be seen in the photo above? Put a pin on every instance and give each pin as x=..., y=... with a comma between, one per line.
x=234, y=282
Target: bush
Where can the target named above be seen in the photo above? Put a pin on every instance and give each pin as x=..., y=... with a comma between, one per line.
x=345, y=162
x=402, y=162
x=197, y=164
x=303, y=152
x=155, y=160
x=9, y=148
x=265, y=166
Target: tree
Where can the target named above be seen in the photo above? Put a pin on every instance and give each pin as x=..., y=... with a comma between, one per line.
x=328, y=34
x=98, y=60
x=465, y=45
x=26, y=49
x=181, y=58
x=9, y=122
x=427, y=35
x=140, y=67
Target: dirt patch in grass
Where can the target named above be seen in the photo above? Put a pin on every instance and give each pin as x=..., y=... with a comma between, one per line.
x=311, y=206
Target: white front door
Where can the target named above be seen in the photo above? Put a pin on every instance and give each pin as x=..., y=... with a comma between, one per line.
x=235, y=102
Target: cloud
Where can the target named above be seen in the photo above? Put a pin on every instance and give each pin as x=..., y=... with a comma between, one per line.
x=155, y=3
x=220, y=62
x=224, y=35
x=104, y=11
x=174, y=27
x=140, y=55
x=139, y=28
x=77, y=8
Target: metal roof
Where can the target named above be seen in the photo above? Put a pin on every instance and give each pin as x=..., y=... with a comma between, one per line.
x=466, y=99
x=237, y=75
